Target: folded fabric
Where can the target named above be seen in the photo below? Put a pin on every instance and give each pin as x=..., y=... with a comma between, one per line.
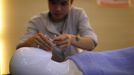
x=116, y=62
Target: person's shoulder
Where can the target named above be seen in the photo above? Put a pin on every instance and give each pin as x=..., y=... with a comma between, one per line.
x=77, y=11
x=41, y=15
x=75, y=8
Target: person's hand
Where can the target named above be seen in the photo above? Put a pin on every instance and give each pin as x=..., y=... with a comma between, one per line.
x=40, y=41
x=63, y=41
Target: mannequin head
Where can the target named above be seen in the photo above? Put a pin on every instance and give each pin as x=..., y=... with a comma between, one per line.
x=34, y=61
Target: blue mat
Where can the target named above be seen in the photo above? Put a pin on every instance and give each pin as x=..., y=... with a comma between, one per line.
x=116, y=62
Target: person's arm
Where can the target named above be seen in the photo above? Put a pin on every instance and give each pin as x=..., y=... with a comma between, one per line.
x=28, y=36
x=33, y=37
x=87, y=39
x=66, y=40
x=39, y=41
x=85, y=43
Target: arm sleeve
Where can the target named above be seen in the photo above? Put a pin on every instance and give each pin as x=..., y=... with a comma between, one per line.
x=85, y=29
x=30, y=31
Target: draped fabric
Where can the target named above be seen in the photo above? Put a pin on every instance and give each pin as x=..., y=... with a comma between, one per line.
x=116, y=62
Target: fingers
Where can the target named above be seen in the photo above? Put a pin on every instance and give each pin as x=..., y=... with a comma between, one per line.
x=61, y=38
x=43, y=42
x=42, y=45
x=63, y=41
x=64, y=44
x=40, y=41
x=46, y=39
x=58, y=43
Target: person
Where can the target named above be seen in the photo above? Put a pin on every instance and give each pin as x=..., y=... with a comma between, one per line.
x=64, y=26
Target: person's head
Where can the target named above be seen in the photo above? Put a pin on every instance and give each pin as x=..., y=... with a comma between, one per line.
x=59, y=9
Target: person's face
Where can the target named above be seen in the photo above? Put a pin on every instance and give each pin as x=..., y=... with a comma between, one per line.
x=59, y=10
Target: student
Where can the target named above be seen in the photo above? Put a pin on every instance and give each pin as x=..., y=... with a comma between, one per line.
x=65, y=26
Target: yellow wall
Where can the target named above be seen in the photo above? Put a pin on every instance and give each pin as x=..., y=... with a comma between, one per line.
x=114, y=26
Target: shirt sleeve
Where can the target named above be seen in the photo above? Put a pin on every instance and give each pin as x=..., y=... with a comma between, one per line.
x=30, y=31
x=85, y=29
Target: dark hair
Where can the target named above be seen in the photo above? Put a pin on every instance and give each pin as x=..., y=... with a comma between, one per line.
x=57, y=1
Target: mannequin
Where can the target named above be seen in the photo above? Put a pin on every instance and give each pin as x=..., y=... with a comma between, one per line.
x=35, y=61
